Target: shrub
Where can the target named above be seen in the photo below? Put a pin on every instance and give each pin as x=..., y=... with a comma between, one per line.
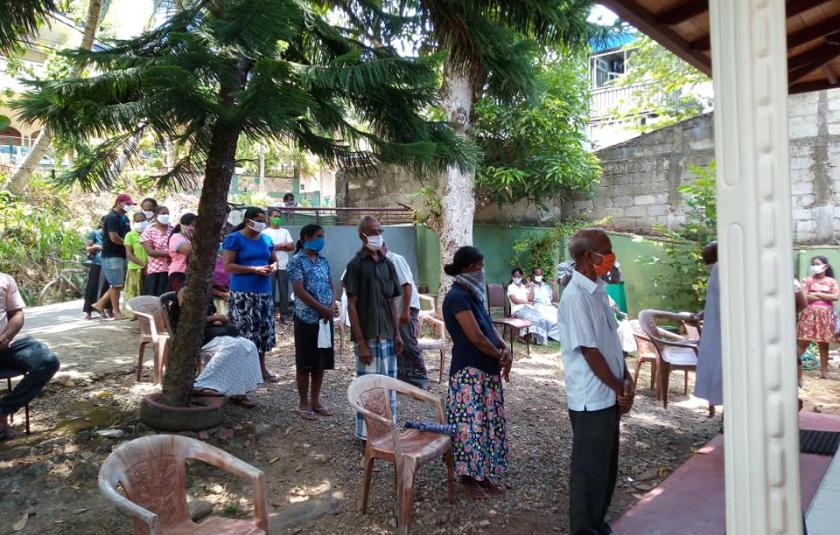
x=40, y=236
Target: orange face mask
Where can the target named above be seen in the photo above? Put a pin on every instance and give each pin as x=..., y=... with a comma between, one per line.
x=607, y=263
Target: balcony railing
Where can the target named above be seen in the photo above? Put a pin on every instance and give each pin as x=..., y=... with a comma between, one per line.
x=613, y=100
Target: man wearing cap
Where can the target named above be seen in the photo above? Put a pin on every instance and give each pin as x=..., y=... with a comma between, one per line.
x=114, y=228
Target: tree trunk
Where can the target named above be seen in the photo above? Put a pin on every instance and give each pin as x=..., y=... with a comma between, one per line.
x=212, y=214
x=20, y=178
x=457, y=187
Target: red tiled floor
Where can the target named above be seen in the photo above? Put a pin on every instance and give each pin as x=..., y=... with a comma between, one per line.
x=691, y=500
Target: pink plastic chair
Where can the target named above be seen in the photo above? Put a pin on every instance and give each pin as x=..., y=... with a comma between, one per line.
x=151, y=472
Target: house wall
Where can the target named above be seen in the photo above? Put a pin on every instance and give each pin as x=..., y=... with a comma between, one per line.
x=640, y=178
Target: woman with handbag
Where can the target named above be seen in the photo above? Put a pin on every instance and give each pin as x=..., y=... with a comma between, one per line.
x=234, y=367
x=817, y=321
x=309, y=273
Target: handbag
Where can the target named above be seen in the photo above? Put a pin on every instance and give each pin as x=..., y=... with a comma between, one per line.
x=324, y=335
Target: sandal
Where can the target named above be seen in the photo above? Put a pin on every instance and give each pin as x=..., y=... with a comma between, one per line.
x=243, y=402
x=488, y=486
x=474, y=490
x=270, y=378
x=306, y=415
x=323, y=411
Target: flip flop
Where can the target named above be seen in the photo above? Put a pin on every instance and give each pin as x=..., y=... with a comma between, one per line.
x=270, y=378
x=306, y=415
x=323, y=411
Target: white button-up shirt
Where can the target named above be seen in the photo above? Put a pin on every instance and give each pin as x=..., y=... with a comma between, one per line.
x=586, y=320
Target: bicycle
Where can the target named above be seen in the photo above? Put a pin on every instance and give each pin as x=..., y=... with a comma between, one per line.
x=65, y=286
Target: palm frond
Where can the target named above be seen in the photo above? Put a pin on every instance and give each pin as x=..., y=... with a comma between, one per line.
x=19, y=20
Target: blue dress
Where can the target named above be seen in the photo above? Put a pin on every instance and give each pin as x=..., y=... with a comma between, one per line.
x=709, y=383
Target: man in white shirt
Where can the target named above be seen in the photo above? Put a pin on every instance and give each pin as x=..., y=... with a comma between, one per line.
x=410, y=365
x=283, y=245
x=28, y=356
x=599, y=388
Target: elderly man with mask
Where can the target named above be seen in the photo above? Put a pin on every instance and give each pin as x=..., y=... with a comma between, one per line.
x=372, y=284
x=599, y=387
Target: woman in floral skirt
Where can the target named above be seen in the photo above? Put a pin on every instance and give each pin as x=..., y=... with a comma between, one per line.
x=479, y=360
x=816, y=322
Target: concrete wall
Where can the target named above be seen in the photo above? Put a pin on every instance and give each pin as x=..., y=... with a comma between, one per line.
x=390, y=186
x=640, y=177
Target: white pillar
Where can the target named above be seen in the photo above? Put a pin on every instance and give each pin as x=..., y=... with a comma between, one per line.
x=754, y=229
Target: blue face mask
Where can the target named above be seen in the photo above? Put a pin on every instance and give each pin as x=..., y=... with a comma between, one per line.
x=315, y=244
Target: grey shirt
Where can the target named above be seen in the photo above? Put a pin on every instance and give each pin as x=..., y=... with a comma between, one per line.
x=374, y=284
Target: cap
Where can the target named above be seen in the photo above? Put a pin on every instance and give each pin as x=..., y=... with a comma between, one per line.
x=124, y=198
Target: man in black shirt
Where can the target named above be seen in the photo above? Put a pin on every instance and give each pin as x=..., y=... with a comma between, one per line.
x=114, y=228
x=372, y=284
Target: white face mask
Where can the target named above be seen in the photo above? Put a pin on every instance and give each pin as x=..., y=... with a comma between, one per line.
x=139, y=226
x=517, y=280
x=127, y=206
x=163, y=219
x=149, y=214
x=537, y=278
x=375, y=243
x=817, y=269
x=257, y=226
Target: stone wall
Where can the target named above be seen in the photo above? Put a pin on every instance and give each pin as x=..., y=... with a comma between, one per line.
x=640, y=177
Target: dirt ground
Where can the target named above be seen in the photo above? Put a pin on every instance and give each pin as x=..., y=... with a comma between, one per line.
x=48, y=480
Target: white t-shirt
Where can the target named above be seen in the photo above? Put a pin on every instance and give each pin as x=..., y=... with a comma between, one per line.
x=404, y=276
x=519, y=291
x=10, y=299
x=279, y=236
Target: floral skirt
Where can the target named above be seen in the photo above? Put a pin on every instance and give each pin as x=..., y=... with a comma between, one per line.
x=253, y=314
x=476, y=404
x=816, y=324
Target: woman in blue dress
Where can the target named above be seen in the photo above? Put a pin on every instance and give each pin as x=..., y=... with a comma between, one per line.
x=249, y=258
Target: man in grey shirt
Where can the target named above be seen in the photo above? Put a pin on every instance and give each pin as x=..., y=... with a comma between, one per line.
x=371, y=283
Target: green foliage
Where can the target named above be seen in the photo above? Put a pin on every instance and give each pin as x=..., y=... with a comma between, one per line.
x=430, y=212
x=534, y=148
x=542, y=249
x=40, y=237
x=306, y=82
x=20, y=19
x=688, y=277
x=663, y=84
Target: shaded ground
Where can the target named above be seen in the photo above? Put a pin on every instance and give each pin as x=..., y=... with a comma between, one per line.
x=313, y=469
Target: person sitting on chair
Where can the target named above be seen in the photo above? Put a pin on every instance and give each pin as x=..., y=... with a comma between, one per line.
x=33, y=359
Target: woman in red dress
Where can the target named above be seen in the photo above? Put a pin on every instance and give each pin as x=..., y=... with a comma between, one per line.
x=816, y=322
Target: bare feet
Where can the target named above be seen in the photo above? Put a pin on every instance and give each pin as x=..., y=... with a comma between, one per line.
x=88, y=316
x=269, y=377
x=305, y=413
x=322, y=410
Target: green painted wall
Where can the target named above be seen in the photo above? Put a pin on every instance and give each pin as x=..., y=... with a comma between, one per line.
x=803, y=256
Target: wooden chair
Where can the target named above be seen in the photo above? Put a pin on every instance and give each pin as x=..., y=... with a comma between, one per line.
x=154, y=331
x=437, y=343
x=151, y=472
x=408, y=450
x=8, y=375
x=673, y=351
x=497, y=298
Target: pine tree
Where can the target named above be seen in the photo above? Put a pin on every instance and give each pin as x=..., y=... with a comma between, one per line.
x=222, y=70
